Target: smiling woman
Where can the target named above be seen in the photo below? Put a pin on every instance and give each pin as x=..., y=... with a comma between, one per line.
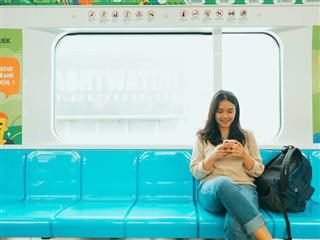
x=226, y=170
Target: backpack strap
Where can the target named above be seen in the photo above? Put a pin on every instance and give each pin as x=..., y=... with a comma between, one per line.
x=288, y=151
x=285, y=169
x=285, y=214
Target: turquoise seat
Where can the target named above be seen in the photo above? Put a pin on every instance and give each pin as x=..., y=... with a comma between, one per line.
x=303, y=225
x=121, y=194
x=314, y=156
x=108, y=193
x=165, y=206
x=12, y=169
x=52, y=183
x=210, y=225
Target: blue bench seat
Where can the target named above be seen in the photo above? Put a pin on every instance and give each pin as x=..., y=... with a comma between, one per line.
x=108, y=193
x=49, y=188
x=301, y=224
x=33, y=216
x=163, y=219
x=165, y=206
x=92, y=219
x=120, y=194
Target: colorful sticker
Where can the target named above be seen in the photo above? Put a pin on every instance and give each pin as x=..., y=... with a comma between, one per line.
x=316, y=83
x=154, y=2
x=10, y=86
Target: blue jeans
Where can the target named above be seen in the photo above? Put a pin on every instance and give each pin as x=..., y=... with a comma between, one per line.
x=240, y=201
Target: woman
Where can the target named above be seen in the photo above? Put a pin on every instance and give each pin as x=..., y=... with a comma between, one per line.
x=226, y=159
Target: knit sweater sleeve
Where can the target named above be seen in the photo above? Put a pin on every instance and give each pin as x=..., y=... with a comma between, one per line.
x=197, y=160
x=252, y=147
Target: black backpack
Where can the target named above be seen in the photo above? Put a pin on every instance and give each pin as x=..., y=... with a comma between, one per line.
x=285, y=185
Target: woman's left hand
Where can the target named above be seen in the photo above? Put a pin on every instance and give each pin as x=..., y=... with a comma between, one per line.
x=237, y=149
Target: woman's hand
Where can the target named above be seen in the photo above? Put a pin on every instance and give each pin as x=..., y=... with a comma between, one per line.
x=221, y=151
x=218, y=153
x=236, y=149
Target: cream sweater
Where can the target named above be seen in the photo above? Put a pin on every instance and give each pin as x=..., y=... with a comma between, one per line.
x=230, y=166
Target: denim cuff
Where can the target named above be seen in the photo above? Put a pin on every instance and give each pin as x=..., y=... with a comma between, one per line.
x=254, y=224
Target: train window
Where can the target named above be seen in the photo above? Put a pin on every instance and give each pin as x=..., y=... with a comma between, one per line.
x=251, y=69
x=138, y=89
x=132, y=88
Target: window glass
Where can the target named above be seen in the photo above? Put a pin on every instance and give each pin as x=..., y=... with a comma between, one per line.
x=132, y=88
x=251, y=69
x=140, y=89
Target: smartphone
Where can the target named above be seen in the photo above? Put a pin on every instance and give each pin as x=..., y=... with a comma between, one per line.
x=228, y=144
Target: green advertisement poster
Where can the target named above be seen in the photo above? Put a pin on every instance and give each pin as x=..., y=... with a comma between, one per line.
x=316, y=83
x=10, y=86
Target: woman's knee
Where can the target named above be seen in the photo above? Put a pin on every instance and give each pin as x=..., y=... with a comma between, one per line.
x=223, y=181
x=217, y=184
x=225, y=184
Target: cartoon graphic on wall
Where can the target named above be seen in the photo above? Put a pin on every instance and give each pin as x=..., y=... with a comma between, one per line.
x=10, y=86
x=4, y=129
x=316, y=83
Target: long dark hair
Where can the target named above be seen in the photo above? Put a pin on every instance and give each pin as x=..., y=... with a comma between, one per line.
x=211, y=131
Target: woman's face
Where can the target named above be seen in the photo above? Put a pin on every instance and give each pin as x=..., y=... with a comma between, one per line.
x=225, y=114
